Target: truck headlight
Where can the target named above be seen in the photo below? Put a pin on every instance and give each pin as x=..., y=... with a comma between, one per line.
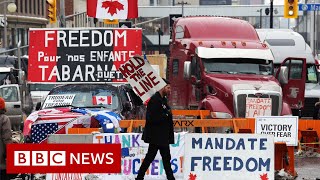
x=221, y=115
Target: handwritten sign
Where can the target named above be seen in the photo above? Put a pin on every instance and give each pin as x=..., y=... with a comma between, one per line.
x=258, y=107
x=228, y=156
x=283, y=128
x=58, y=100
x=142, y=77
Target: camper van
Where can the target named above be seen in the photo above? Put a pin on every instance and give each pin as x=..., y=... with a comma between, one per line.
x=287, y=43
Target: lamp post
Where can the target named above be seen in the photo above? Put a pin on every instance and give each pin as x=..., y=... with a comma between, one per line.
x=12, y=7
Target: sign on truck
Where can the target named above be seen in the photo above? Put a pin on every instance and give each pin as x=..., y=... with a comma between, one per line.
x=81, y=55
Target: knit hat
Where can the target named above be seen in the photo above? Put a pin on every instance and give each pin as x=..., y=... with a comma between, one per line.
x=2, y=103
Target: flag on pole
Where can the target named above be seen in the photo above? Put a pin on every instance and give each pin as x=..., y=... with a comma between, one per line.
x=112, y=9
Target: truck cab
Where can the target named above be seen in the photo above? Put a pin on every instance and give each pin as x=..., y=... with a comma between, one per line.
x=219, y=64
x=287, y=43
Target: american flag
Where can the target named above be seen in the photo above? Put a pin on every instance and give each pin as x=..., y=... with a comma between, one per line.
x=42, y=128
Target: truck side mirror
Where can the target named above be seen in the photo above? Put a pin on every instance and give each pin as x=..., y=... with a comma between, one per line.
x=38, y=106
x=283, y=75
x=186, y=70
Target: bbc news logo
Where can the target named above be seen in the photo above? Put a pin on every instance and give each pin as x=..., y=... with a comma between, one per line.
x=64, y=158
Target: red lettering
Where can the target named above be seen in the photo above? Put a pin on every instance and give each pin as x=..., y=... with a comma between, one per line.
x=22, y=157
x=152, y=78
x=39, y=159
x=54, y=158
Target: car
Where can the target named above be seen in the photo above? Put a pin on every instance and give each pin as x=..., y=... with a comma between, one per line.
x=70, y=101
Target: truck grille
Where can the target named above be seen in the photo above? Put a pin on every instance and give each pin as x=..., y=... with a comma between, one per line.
x=241, y=104
x=308, y=109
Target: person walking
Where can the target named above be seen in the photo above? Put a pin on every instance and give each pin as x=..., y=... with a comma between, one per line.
x=158, y=131
x=5, y=138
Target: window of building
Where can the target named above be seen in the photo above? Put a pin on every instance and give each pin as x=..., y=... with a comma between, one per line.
x=151, y=2
x=30, y=6
x=26, y=6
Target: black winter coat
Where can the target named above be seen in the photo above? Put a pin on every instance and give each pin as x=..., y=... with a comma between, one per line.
x=159, y=124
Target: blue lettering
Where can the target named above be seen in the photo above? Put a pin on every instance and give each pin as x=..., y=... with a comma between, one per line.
x=216, y=163
x=134, y=169
x=226, y=163
x=108, y=141
x=135, y=140
x=195, y=142
x=228, y=145
x=252, y=140
x=264, y=164
x=219, y=144
x=177, y=143
x=154, y=167
x=125, y=141
x=255, y=164
x=206, y=163
x=240, y=143
x=193, y=163
x=209, y=143
x=235, y=160
x=174, y=163
x=262, y=143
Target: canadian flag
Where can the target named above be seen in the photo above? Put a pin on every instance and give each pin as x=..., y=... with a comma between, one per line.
x=107, y=100
x=112, y=9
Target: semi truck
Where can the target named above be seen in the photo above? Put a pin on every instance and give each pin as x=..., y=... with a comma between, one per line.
x=220, y=64
x=285, y=43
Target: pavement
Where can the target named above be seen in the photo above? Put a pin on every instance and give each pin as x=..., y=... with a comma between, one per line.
x=308, y=168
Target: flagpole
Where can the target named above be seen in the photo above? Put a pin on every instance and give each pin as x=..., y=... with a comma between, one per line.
x=62, y=14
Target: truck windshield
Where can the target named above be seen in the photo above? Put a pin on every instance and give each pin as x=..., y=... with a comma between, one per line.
x=238, y=66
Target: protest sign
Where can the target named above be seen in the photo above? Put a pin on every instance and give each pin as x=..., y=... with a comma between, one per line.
x=283, y=128
x=142, y=77
x=134, y=150
x=58, y=100
x=228, y=156
x=258, y=107
x=81, y=55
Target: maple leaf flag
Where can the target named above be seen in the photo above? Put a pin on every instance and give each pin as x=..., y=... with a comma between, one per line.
x=112, y=9
x=107, y=100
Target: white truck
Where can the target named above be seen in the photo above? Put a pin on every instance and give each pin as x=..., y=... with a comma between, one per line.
x=287, y=43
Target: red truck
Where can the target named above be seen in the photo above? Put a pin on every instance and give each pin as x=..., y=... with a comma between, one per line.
x=219, y=64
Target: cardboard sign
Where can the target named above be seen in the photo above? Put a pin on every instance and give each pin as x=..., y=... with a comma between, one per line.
x=81, y=55
x=142, y=77
x=258, y=107
x=58, y=100
x=228, y=156
x=283, y=128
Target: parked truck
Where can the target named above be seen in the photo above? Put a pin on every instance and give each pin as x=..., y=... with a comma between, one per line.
x=287, y=43
x=219, y=64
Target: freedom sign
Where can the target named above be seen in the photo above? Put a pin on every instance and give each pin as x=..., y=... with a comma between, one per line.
x=228, y=156
x=283, y=128
x=81, y=55
x=142, y=77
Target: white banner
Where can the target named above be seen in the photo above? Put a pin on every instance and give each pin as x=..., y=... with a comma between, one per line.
x=228, y=156
x=142, y=77
x=58, y=100
x=284, y=128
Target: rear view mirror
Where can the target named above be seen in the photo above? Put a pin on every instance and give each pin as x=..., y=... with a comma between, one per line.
x=283, y=75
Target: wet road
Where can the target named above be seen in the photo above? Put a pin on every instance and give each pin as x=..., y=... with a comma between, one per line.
x=308, y=168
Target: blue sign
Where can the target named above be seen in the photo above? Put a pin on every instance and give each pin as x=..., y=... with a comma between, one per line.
x=309, y=7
